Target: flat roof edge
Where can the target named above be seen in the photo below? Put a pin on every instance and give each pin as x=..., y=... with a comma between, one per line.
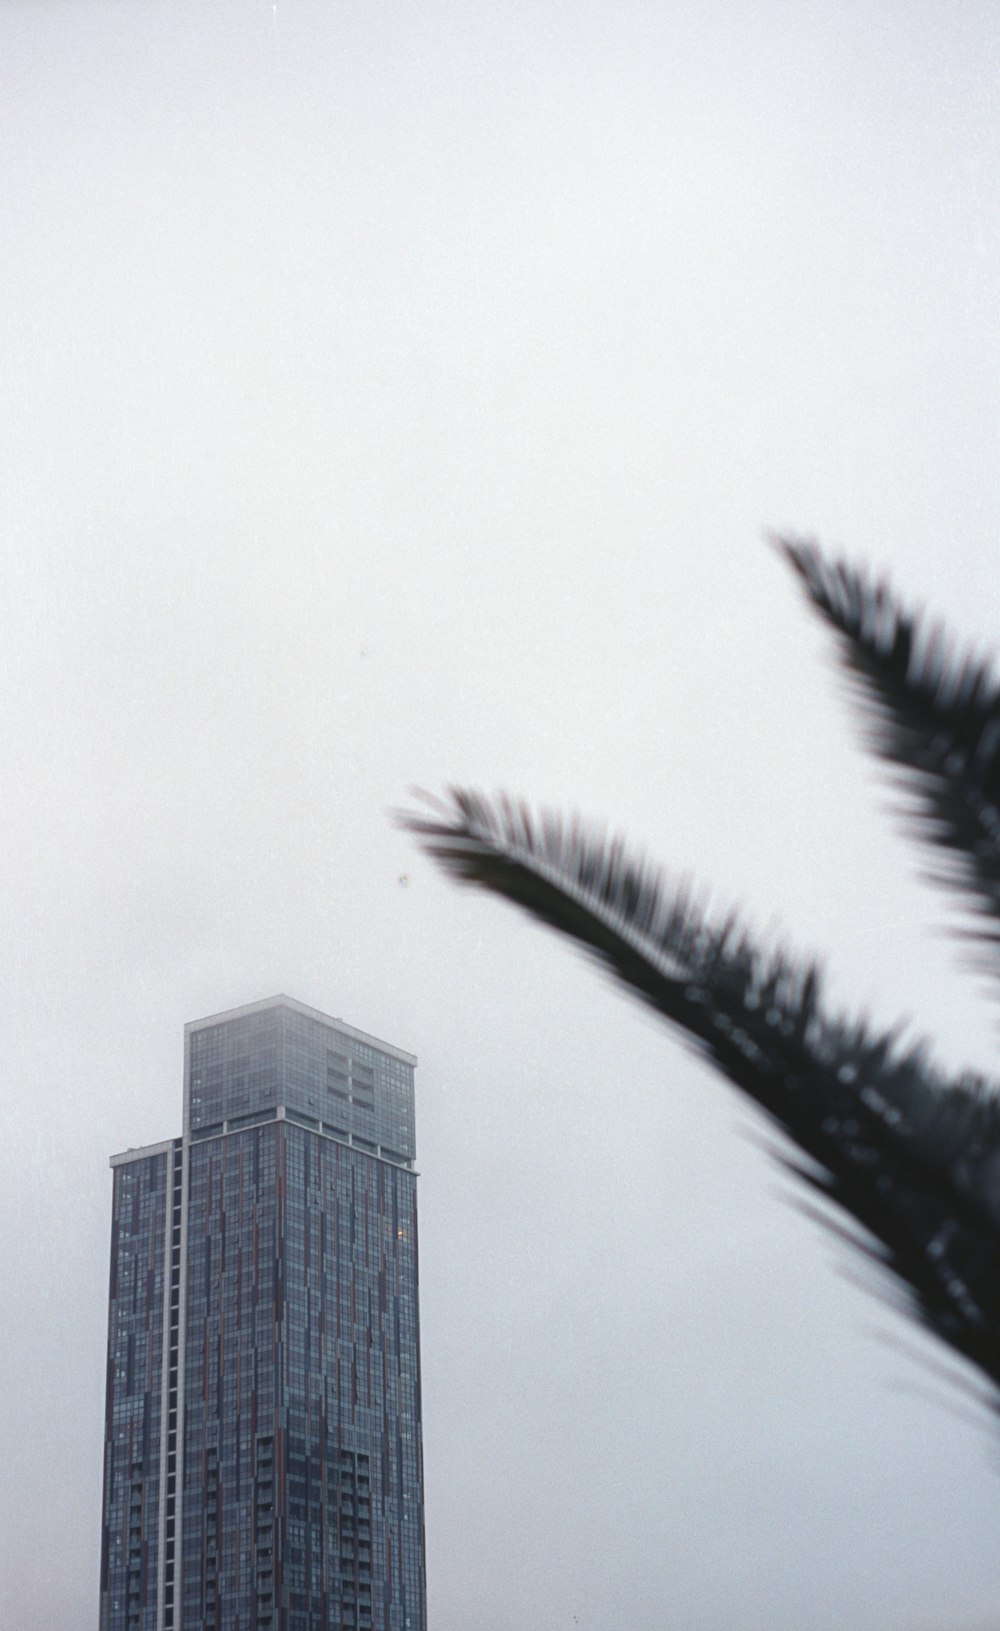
x=163, y=1148
x=310, y=1013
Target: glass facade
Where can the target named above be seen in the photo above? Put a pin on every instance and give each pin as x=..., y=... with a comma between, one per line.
x=263, y=1465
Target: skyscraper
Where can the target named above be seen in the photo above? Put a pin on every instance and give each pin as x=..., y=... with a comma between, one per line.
x=263, y=1462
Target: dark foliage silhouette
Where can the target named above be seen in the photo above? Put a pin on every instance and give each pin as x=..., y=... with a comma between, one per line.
x=911, y=1156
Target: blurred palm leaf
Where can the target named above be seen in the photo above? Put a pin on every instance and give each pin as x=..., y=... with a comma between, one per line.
x=932, y=712
x=911, y=1156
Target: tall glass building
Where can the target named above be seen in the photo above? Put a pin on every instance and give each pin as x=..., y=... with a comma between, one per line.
x=262, y=1458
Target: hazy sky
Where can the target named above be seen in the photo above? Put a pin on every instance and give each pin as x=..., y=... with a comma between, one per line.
x=397, y=394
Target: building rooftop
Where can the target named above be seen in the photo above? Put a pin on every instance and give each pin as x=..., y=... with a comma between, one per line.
x=281, y=1001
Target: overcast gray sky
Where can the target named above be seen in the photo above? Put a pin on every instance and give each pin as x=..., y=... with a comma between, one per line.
x=397, y=394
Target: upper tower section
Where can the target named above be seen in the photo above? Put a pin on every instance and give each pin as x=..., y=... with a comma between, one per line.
x=242, y=1066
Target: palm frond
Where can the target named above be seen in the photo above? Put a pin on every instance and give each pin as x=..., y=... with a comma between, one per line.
x=910, y=1156
x=931, y=711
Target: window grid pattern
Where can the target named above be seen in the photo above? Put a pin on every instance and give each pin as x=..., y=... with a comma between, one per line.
x=140, y=1236
x=240, y=1070
x=303, y=1506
